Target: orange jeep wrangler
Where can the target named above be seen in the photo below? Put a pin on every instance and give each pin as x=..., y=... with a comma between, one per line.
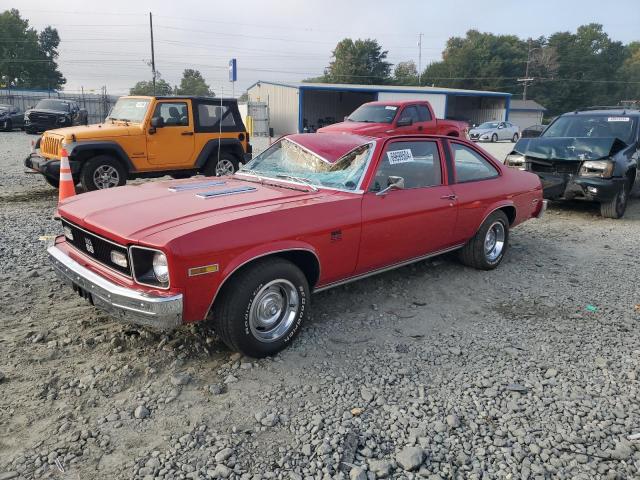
x=148, y=137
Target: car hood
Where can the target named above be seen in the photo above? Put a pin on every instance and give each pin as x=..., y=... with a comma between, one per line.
x=482, y=131
x=46, y=110
x=360, y=128
x=131, y=213
x=100, y=130
x=569, y=148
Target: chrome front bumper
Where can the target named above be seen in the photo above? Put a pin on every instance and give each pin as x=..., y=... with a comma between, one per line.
x=122, y=303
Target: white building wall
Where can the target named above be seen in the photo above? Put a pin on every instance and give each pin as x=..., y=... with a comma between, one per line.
x=282, y=105
x=438, y=101
x=524, y=119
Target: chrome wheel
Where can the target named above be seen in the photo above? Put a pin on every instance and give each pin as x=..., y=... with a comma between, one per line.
x=494, y=241
x=224, y=167
x=274, y=310
x=106, y=176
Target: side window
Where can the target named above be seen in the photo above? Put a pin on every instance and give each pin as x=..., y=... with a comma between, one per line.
x=409, y=113
x=417, y=162
x=210, y=114
x=174, y=114
x=424, y=113
x=470, y=165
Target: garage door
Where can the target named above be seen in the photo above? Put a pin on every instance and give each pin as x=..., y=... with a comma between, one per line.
x=437, y=101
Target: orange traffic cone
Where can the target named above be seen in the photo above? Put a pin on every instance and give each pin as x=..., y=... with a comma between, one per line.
x=66, y=186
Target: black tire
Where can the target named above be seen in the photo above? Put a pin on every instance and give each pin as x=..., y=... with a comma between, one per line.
x=111, y=168
x=616, y=207
x=7, y=125
x=54, y=182
x=474, y=253
x=515, y=138
x=235, y=313
x=494, y=137
x=212, y=169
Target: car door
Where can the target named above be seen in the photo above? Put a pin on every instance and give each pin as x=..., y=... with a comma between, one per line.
x=426, y=124
x=476, y=188
x=172, y=144
x=407, y=121
x=410, y=222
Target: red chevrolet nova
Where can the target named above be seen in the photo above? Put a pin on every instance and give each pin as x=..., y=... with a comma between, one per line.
x=311, y=212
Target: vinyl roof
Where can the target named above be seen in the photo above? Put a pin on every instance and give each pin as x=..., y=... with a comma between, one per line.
x=379, y=88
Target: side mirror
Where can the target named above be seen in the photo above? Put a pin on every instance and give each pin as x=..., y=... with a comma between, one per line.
x=156, y=122
x=393, y=183
x=500, y=126
x=404, y=122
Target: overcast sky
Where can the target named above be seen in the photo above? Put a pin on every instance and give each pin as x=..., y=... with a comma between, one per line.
x=107, y=43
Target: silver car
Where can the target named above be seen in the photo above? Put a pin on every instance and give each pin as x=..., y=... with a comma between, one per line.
x=494, y=131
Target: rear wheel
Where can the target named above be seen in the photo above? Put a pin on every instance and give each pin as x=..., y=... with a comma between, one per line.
x=262, y=308
x=616, y=207
x=486, y=249
x=8, y=126
x=227, y=164
x=494, y=137
x=515, y=138
x=102, y=172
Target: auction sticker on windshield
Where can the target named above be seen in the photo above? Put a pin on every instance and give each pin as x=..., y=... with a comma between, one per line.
x=618, y=119
x=141, y=104
x=390, y=107
x=400, y=156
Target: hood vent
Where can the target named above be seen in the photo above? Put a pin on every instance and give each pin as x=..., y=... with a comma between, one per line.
x=195, y=186
x=228, y=191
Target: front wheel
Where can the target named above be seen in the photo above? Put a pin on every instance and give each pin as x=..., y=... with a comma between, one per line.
x=226, y=164
x=7, y=126
x=486, y=249
x=494, y=137
x=616, y=207
x=515, y=138
x=262, y=308
x=102, y=172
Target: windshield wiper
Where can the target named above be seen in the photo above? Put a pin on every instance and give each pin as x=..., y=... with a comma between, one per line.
x=302, y=180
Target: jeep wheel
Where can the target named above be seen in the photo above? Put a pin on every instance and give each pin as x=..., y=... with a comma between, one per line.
x=262, y=308
x=616, y=207
x=486, y=249
x=102, y=172
x=226, y=165
x=7, y=126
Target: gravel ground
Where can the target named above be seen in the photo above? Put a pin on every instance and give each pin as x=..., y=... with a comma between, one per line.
x=430, y=371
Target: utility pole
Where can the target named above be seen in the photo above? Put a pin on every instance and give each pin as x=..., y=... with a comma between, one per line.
x=153, y=56
x=526, y=80
x=419, y=58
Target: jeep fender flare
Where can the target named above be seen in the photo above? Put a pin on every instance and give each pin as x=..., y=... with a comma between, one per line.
x=211, y=147
x=112, y=148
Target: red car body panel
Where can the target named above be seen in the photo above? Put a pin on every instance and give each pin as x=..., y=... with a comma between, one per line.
x=350, y=233
x=434, y=126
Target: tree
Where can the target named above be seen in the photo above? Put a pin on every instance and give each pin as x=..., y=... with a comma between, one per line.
x=193, y=83
x=146, y=88
x=405, y=73
x=630, y=73
x=360, y=61
x=28, y=58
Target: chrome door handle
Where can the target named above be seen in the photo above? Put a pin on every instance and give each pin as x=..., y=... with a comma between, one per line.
x=448, y=197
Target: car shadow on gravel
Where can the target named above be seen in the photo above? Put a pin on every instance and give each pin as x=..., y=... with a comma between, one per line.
x=35, y=195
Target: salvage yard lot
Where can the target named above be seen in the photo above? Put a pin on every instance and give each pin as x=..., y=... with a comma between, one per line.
x=530, y=370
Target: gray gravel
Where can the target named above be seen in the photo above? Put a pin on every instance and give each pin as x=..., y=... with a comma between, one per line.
x=431, y=371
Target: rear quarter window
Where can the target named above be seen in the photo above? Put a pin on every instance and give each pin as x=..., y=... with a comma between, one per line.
x=469, y=165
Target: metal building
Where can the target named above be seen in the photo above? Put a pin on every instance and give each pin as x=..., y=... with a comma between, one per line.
x=294, y=107
x=525, y=113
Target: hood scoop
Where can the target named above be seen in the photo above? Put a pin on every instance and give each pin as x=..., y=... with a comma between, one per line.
x=195, y=186
x=226, y=191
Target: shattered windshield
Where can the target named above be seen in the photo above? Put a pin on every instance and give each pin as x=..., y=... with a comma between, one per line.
x=288, y=160
x=374, y=114
x=129, y=109
x=593, y=126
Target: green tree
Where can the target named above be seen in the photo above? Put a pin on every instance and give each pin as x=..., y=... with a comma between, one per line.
x=405, y=73
x=28, y=58
x=630, y=73
x=193, y=83
x=360, y=61
x=146, y=88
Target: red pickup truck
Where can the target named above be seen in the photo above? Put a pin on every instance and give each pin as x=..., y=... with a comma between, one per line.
x=380, y=119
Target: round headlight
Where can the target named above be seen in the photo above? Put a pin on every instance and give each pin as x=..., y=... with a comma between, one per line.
x=160, y=267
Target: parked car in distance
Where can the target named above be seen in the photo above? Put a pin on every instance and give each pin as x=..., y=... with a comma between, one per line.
x=494, y=132
x=378, y=119
x=311, y=212
x=587, y=155
x=54, y=113
x=532, y=131
x=147, y=137
x=11, y=117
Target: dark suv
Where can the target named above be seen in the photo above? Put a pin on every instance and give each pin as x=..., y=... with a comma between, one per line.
x=589, y=154
x=54, y=113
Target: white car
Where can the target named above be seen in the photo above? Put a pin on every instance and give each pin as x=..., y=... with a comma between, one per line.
x=494, y=131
